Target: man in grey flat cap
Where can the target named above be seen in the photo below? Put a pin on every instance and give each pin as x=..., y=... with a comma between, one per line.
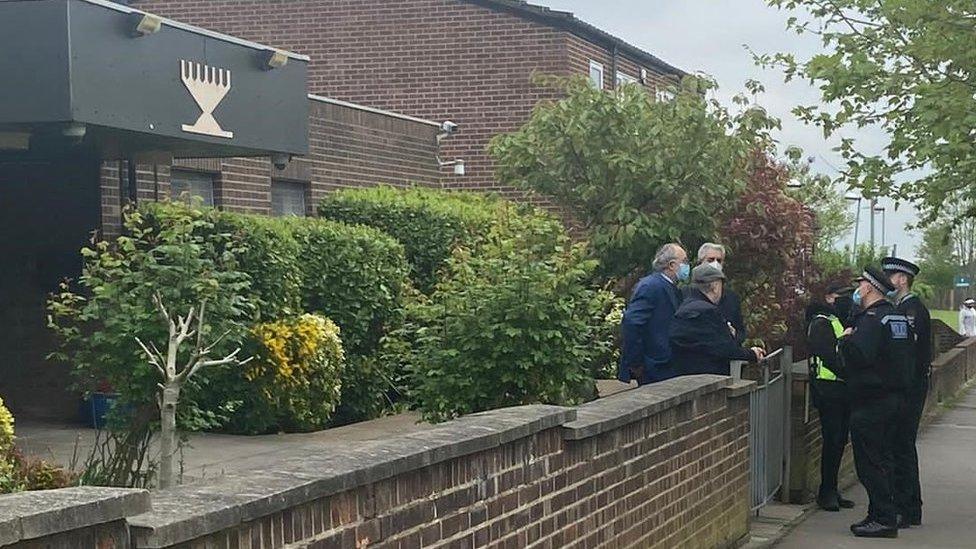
x=702, y=342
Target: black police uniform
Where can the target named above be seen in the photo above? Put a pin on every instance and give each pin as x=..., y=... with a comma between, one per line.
x=878, y=364
x=908, y=490
x=830, y=397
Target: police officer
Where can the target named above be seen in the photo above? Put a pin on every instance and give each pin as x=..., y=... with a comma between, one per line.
x=878, y=364
x=908, y=491
x=830, y=395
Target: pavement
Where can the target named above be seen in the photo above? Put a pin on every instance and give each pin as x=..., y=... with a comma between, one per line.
x=947, y=454
x=210, y=455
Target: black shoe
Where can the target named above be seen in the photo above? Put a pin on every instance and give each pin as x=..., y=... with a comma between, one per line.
x=845, y=503
x=874, y=529
x=915, y=518
x=830, y=503
x=903, y=522
x=861, y=522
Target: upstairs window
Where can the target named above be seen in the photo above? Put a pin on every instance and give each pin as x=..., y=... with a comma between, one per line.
x=596, y=75
x=288, y=198
x=624, y=79
x=196, y=184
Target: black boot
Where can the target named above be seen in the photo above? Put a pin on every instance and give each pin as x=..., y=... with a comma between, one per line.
x=903, y=522
x=845, y=503
x=829, y=503
x=861, y=522
x=874, y=529
x=915, y=518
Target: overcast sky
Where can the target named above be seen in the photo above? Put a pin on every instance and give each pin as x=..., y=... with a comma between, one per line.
x=708, y=36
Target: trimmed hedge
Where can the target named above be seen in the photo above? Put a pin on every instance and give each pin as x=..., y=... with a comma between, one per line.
x=356, y=276
x=429, y=223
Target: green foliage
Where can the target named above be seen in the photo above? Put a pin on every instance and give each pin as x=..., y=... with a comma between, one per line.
x=512, y=324
x=356, y=276
x=636, y=171
x=179, y=255
x=904, y=66
x=429, y=223
x=17, y=472
x=938, y=261
x=268, y=254
x=293, y=383
x=771, y=235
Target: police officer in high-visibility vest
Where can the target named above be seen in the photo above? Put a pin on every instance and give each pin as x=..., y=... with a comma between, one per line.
x=829, y=392
x=908, y=490
x=878, y=358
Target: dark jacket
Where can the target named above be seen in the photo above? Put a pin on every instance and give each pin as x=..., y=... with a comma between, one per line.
x=700, y=339
x=921, y=321
x=878, y=357
x=731, y=307
x=645, y=329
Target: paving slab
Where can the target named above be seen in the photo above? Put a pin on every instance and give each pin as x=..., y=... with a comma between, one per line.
x=947, y=453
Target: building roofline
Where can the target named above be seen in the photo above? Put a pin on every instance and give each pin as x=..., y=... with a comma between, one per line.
x=391, y=114
x=124, y=8
x=567, y=21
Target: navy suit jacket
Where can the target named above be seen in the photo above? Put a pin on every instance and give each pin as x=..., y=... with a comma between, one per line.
x=645, y=329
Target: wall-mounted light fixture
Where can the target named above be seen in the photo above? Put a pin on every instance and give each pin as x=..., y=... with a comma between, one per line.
x=75, y=132
x=458, y=165
x=144, y=24
x=14, y=141
x=274, y=59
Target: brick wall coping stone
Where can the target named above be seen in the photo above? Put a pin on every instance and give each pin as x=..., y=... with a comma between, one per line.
x=30, y=515
x=195, y=510
x=612, y=412
x=948, y=356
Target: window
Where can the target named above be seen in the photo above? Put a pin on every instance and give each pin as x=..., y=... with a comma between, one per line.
x=596, y=75
x=623, y=79
x=196, y=184
x=288, y=198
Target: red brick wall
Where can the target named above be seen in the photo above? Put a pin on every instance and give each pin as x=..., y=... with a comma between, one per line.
x=677, y=477
x=435, y=59
x=348, y=147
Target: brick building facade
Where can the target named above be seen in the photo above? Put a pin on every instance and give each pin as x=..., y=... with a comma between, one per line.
x=349, y=146
x=468, y=61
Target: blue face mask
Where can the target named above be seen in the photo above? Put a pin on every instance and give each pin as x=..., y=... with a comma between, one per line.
x=684, y=271
x=892, y=295
x=856, y=297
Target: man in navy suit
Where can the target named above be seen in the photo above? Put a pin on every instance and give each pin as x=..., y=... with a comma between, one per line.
x=646, y=353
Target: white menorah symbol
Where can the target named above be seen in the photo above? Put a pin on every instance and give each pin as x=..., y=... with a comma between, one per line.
x=208, y=86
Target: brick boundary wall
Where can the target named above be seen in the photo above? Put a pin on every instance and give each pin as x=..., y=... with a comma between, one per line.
x=952, y=370
x=665, y=465
x=70, y=518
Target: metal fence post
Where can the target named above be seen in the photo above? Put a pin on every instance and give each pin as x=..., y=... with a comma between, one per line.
x=786, y=363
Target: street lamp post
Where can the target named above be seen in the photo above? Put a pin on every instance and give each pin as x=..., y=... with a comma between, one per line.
x=857, y=223
x=884, y=224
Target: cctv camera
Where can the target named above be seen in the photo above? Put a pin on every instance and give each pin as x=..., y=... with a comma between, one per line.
x=280, y=160
x=449, y=127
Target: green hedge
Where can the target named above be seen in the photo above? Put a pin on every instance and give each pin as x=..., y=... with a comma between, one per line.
x=429, y=223
x=356, y=276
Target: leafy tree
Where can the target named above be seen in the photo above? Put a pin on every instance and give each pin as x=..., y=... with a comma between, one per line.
x=635, y=171
x=821, y=196
x=906, y=66
x=938, y=259
x=771, y=236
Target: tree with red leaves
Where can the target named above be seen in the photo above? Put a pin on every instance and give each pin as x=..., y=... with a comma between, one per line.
x=771, y=237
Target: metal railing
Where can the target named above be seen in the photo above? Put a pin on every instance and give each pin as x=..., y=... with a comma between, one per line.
x=769, y=428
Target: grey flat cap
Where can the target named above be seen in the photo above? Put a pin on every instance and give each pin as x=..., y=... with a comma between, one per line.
x=706, y=273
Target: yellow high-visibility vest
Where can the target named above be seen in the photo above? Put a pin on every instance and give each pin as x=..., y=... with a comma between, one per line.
x=823, y=372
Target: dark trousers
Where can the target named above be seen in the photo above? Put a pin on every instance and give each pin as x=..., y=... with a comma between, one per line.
x=908, y=488
x=834, y=405
x=872, y=432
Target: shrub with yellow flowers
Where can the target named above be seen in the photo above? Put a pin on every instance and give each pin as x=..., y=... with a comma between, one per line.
x=7, y=476
x=294, y=381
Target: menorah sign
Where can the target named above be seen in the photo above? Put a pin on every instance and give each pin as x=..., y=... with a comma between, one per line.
x=208, y=86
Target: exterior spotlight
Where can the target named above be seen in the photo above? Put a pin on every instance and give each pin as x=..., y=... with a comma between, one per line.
x=274, y=59
x=145, y=24
x=280, y=160
x=75, y=132
x=458, y=165
x=14, y=141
